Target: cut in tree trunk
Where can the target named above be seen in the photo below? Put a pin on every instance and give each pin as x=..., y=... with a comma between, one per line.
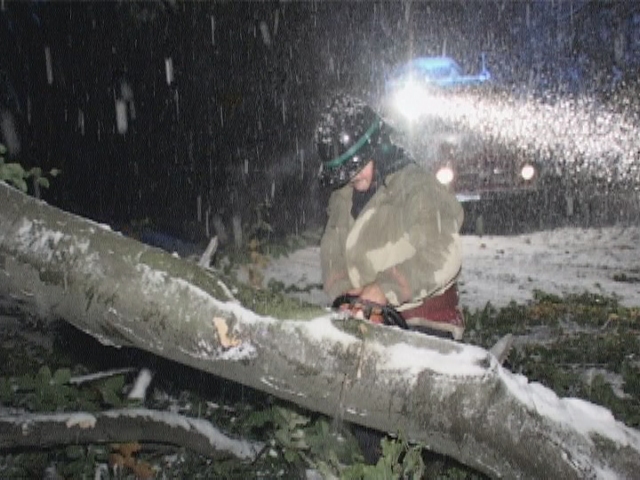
x=454, y=398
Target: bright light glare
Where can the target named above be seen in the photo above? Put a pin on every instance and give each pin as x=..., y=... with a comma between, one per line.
x=528, y=172
x=413, y=101
x=445, y=175
x=580, y=132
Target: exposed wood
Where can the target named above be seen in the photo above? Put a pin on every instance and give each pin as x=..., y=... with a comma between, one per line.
x=454, y=398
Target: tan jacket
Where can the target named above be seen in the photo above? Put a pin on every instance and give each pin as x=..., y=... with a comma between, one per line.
x=406, y=239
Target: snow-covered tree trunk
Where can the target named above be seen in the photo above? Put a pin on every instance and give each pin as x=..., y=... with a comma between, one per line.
x=454, y=398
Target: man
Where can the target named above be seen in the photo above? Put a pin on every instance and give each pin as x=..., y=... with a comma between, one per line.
x=392, y=236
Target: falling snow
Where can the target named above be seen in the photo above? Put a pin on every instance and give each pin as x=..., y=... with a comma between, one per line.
x=575, y=132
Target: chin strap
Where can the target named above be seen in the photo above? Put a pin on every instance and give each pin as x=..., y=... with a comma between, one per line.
x=390, y=316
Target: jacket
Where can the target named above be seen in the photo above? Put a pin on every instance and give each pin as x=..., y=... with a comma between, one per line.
x=406, y=238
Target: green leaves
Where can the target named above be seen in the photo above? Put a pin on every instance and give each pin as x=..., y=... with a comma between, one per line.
x=15, y=174
x=399, y=460
x=48, y=391
x=82, y=460
x=580, y=345
x=289, y=431
x=111, y=391
x=61, y=376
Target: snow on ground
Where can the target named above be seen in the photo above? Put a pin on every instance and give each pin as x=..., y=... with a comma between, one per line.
x=499, y=269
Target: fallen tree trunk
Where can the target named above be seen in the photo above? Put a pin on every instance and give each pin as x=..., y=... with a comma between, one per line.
x=454, y=398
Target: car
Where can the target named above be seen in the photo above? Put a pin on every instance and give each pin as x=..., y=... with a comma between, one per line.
x=424, y=96
x=498, y=185
x=481, y=169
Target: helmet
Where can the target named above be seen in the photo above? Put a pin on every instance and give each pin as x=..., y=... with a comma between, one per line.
x=348, y=136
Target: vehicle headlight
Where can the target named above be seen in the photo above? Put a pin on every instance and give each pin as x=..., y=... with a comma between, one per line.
x=445, y=175
x=527, y=172
x=412, y=100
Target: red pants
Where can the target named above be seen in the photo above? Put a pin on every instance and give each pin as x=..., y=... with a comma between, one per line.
x=441, y=308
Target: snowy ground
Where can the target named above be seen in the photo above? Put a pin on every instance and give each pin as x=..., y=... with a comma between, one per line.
x=499, y=269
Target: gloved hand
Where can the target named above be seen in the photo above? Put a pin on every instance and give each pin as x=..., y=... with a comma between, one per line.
x=364, y=311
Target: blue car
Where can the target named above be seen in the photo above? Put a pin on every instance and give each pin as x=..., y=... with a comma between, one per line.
x=441, y=72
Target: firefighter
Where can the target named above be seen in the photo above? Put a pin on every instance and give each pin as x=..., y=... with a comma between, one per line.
x=392, y=236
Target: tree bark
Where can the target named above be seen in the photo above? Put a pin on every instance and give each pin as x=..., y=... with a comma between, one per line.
x=454, y=398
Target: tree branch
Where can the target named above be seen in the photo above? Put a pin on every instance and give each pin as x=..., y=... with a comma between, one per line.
x=119, y=426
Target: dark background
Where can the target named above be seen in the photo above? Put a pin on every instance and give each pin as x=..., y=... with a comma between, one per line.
x=235, y=126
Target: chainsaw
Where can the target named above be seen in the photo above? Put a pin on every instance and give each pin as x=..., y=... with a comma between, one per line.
x=373, y=312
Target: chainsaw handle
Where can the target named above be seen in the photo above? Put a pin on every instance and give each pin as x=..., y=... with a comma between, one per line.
x=390, y=316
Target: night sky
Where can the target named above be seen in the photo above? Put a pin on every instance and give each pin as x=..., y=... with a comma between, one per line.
x=220, y=99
